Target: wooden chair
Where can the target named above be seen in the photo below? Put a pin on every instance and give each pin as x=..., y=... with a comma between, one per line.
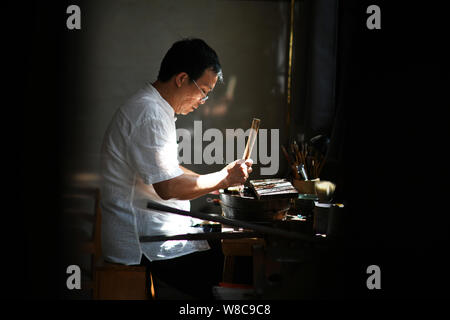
x=110, y=281
x=81, y=207
x=116, y=281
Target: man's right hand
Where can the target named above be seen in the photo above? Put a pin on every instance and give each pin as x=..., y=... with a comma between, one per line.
x=237, y=172
x=191, y=185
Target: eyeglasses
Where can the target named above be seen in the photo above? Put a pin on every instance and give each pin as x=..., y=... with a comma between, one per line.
x=205, y=97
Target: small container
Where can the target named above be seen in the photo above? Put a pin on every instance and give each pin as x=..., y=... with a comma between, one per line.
x=336, y=221
x=321, y=214
x=305, y=187
x=328, y=219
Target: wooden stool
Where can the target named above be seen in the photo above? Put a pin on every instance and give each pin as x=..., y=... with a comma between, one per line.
x=237, y=247
x=120, y=282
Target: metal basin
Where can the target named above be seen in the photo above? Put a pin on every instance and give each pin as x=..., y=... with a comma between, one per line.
x=249, y=208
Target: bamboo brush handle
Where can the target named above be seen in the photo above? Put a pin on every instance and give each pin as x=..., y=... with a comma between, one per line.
x=251, y=138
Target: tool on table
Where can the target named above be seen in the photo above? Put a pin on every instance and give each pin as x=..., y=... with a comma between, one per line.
x=251, y=138
x=302, y=171
x=248, y=149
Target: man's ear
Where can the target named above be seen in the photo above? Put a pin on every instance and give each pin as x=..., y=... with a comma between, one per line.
x=180, y=78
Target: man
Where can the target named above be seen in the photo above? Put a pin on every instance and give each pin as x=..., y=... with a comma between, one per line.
x=140, y=163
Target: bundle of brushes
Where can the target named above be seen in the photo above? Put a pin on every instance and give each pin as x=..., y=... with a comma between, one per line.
x=305, y=161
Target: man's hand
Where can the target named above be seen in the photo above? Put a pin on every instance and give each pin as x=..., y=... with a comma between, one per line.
x=190, y=185
x=237, y=172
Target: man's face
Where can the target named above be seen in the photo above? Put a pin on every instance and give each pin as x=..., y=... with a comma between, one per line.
x=190, y=96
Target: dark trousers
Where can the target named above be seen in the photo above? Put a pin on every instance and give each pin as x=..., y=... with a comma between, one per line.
x=193, y=274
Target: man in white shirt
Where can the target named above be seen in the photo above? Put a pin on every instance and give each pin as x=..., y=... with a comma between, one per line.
x=140, y=163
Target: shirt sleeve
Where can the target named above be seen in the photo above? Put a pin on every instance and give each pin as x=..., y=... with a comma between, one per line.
x=153, y=151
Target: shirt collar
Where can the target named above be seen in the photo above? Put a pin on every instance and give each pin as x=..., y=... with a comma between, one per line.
x=164, y=103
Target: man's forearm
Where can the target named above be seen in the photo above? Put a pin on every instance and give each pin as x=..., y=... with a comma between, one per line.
x=187, y=171
x=190, y=186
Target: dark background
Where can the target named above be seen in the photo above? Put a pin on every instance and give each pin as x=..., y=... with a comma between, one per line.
x=393, y=92
x=390, y=160
x=35, y=98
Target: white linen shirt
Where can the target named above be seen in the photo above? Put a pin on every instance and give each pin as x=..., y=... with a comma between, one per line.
x=139, y=149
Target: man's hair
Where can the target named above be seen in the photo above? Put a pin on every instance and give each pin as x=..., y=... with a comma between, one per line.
x=192, y=56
